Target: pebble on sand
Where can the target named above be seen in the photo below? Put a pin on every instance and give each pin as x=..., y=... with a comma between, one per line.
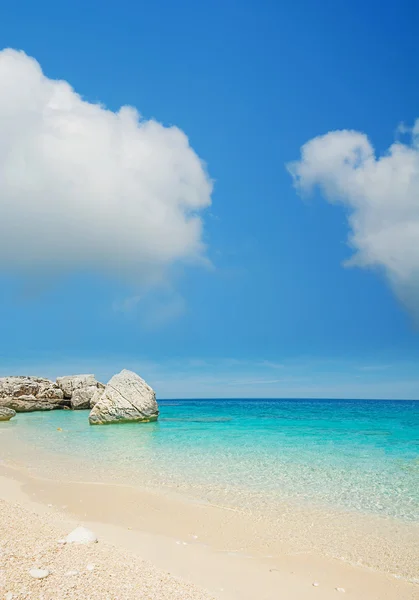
x=39, y=573
x=340, y=590
x=315, y=584
x=81, y=535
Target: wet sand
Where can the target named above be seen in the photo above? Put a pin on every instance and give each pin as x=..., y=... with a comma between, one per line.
x=229, y=553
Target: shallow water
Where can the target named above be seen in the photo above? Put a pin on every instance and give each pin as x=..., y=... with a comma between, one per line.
x=356, y=455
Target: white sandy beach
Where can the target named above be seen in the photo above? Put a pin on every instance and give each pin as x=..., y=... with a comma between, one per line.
x=191, y=548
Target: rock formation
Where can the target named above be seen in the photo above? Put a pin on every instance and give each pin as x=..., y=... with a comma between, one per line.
x=27, y=394
x=126, y=398
x=97, y=396
x=79, y=389
x=6, y=413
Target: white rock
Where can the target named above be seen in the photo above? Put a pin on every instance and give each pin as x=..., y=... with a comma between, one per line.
x=315, y=584
x=72, y=573
x=82, y=397
x=90, y=567
x=340, y=590
x=62, y=542
x=39, y=573
x=97, y=395
x=26, y=394
x=8, y=596
x=126, y=398
x=70, y=383
x=6, y=413
x=81, y=535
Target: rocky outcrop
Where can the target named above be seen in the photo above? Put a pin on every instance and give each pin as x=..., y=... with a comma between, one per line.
x=97, y=395
x=29, y=404
x=126, y=398
x=26, y=394
x=6, y=413
x=79, y=389
x=69, y=383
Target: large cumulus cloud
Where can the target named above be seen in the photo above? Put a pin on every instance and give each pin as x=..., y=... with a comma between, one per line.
x=84, y=187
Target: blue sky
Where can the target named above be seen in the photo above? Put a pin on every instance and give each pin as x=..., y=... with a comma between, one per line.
x=251, y=298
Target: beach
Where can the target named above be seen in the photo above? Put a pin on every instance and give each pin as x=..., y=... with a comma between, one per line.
x=184, y=566
x=192, y=550
x=209, y=301
x=28, y=540
x=204, y=497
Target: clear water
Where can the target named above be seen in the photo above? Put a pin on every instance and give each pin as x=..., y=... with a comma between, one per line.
x=352, y=455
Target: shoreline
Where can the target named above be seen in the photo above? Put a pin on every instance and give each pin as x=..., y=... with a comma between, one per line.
x=95, y=571
x=224, y=551
x=379, y=543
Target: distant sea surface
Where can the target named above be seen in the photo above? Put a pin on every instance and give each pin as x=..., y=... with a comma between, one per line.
x=360, y=456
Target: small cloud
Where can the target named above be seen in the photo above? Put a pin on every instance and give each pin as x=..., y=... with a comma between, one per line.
x=271, y=365
x=382, y=195
x=197, y=362
x=232, y=362
x=403, y=129
x=154, y=308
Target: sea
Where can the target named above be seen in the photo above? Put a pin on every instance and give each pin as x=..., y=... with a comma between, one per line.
x=349, y=455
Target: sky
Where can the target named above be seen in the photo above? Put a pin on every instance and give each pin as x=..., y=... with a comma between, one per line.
x=223, y=196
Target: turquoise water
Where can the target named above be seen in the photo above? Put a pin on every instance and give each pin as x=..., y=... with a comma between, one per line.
x=354, y=455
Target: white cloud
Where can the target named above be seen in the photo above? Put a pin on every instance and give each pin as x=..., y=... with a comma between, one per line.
x=154, y=309
x=84, y=187
x=382, y=194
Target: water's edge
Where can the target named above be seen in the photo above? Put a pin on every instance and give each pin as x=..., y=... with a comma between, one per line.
x=337, y=477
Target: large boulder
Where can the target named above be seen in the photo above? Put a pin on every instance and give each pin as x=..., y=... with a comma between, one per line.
x=79, y=389
x=6, y=413
x=26, y=394
x=82, y=397
x=126, y=398
x=70, y=383
x=97, y=395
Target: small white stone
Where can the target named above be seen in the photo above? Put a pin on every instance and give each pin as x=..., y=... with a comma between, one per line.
x=39, y=573
x=49, y=505
x=71, y=573
x=340, y=590
x=315, y=584
x=8, y=596
x=81, y=535
x=90, y=567
x=62, y=542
